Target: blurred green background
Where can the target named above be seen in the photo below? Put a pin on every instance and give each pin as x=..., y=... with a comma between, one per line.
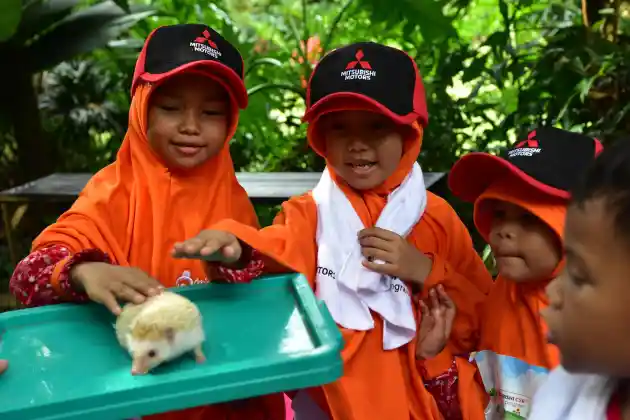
x=493, y=69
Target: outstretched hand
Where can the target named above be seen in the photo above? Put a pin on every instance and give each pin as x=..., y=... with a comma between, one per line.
x=210, y=245
x=4, y=365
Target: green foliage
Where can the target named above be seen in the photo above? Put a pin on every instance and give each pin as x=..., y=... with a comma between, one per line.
x=53, y=31
x=10, y=14
x=492, y=69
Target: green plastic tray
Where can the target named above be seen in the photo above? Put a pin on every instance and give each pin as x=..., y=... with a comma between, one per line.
x=268, y=336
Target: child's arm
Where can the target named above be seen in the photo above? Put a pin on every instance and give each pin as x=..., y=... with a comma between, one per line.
x=460, y=270
x=463, y=275
x=43, y=277
x=287, y=245
x=433, y=333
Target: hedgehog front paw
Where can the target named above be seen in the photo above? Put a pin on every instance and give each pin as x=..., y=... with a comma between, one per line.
x=199, y=356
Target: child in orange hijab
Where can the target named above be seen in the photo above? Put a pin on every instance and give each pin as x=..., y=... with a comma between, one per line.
x=520, y=206
x=172, y=177
x=373, y=243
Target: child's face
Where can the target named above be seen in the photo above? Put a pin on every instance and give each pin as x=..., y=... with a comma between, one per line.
x=364, y=148
x=524, y=247
x=188, y=120
x=589, y=309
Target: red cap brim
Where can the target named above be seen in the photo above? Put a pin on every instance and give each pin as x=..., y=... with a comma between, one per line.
x=347, y=101
x=233, y=83
x=475, y=172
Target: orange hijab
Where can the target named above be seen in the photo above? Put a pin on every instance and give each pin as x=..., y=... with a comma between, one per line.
x=135, y=209
x=513, y=304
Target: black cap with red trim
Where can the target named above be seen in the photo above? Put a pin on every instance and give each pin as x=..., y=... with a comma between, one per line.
x=172, y=49
x=383, y=79
x=550, y=160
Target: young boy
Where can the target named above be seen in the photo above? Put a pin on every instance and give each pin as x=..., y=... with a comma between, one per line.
x=173, y=176
x=373, y=243
x=588, y=309
x=520, y=204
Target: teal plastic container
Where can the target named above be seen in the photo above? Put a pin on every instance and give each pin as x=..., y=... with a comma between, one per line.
x=268, y=336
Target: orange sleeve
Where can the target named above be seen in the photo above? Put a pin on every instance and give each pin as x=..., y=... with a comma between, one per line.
x=462, y=273
x=289, y=244
x=460, y=270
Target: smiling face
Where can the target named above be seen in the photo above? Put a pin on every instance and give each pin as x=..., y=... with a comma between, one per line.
x=364, y=148
x=188, y=120
x=525, y=248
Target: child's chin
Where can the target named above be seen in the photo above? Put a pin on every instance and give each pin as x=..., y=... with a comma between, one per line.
x=184, y=164
x=364, y=184
x=517, y=276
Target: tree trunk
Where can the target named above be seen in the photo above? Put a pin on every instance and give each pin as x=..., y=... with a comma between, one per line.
x=35, y=154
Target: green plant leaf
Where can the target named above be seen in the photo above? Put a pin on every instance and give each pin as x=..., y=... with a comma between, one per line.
x=10, y=14
x=123, y=4
x=270, y=86
x=37, y=16
x=253, y=64
x=426, y=15
x=432, y=22
x=82, y=32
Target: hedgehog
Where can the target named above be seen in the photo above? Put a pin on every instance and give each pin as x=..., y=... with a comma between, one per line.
x=162, y=328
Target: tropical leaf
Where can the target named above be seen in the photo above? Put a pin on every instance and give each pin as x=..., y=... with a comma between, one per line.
x=37, y=16
x=82, y=32
x=123, y=4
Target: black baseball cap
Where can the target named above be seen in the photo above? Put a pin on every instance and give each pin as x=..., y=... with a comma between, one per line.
x=549, y=159
x=169, y=50
x=381, y=78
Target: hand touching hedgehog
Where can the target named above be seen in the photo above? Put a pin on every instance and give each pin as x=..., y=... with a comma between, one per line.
x=106, y=284
x=155, y=326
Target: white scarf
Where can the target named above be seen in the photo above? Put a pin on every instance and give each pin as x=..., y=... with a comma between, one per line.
x=350, y=290
x=568, y=396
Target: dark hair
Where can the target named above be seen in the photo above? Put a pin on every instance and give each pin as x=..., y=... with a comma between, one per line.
x=608, y=178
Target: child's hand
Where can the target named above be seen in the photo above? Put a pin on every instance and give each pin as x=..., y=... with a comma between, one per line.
x=401, y=259
x=105, y=283
x=436, y=324
x=209, y=242
x=4, y=365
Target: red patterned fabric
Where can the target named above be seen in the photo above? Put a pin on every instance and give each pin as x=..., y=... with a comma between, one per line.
x=31, y=280
x=444, y=391
x=253, y=270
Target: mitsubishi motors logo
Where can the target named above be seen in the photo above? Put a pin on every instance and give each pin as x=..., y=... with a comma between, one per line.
x=206, y=38
x=206, y=45
x=527, y=147
x=363, y=64
x=365, y=71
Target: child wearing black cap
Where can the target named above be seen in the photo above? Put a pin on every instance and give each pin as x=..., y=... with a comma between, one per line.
x=588, y=310
x=374, y=244
x=520, y=204
x=173, y=176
